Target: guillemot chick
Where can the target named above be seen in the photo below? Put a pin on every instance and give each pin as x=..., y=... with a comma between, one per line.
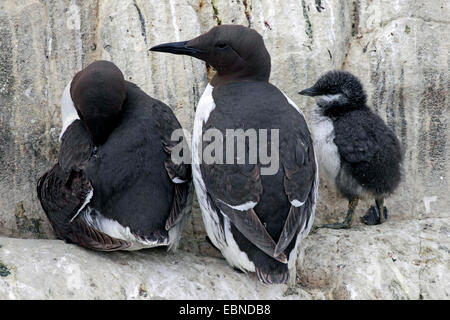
x=115, y=185
x=357, y=152
x=255, y=218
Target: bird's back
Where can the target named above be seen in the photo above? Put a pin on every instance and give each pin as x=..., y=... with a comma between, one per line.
x=259, y=105
x=128, y=172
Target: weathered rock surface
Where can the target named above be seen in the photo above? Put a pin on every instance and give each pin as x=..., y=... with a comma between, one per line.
x=42, y=45
x=398, y=48
x=396, y=260
x=401, y=55
x=402, y=260
x=51, y=269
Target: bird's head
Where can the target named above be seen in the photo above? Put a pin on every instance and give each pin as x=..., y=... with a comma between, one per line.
x=234, y=51
x=337, y=88
x=98, y=93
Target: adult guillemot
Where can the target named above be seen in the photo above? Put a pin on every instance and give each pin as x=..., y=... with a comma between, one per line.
x=358, y=153
x=256, y=220
x=115, y=186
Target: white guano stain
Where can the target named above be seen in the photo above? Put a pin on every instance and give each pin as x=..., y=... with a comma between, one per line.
x=351, y=291
x=74, y=279
x=73, y=21
x=427, y=202
x=174, y=20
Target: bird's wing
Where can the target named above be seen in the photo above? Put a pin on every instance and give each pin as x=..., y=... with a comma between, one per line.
x=177, y=164
x=64, y=192
x=299, y=185
x=63, y=197
x=300, y=170
x=181, y=176
x=354, y=142
x=236, y=190
x=76, y=147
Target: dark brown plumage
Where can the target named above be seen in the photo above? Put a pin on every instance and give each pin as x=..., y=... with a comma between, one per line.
x=115, y=185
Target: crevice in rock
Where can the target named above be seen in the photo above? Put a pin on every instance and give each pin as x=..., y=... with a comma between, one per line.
x=420, y=270
x=142, y=20
x=215, y=13
x=354, y=14
x=248, y=11
x=357, y=33
x=429, y=20
x=89, y=29
x=97, y=32
x=355, y=18
x=402, y=113
x=308, y=26
x=386, y=23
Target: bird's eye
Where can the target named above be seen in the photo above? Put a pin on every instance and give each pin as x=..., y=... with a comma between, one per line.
x=333, y=89
x=221, y=45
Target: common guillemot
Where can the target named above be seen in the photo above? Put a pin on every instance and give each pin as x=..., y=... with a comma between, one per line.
x=256, y=220
x=358, y=153
x=115, y=185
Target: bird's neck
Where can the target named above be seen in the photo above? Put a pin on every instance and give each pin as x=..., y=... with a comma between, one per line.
x=100, y=128
x=221, y=79
x=256, y=69
x=334, y=107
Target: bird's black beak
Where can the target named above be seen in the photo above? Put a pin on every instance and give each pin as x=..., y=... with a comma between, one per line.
x=178, y=48
x=310, y=92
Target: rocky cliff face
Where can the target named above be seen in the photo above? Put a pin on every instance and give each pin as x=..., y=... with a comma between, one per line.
x=399, y=49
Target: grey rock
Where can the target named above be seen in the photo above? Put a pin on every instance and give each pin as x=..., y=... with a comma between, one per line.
x=42, y=45
x=398, y=48
x=402, y=260
x=396, y=260
x=52, y=269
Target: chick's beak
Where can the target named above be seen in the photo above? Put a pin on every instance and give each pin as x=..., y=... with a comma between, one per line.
x=309, y=92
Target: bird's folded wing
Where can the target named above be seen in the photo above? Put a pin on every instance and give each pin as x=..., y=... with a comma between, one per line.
x=62, y=196
x=76, y=147
x=86, y=236
x=236, y=190
x=299, y=179
x=181, y=176
x=354, y=142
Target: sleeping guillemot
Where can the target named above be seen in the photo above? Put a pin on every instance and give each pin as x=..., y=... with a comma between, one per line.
x=358, y=153
x=255, y=218
x=115, y=186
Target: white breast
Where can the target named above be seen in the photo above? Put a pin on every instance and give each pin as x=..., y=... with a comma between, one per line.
x=210, y=218
x=327, y=151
